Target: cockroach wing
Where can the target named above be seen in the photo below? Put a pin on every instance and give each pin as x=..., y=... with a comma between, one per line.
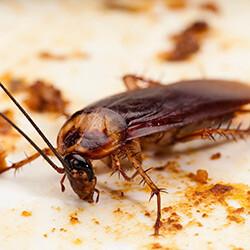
x=148, y=111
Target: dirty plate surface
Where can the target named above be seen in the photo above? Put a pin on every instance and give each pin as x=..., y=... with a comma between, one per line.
x=93, y=46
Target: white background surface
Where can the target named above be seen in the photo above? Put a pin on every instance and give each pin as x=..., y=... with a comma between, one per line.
x=117, y=43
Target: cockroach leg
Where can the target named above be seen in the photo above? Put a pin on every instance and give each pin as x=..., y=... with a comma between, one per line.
x=116, y=166
x=29, y=159
x=133, y=82
x=98, y=194
x=210, y=133
x=134, y=155
x=61, y=182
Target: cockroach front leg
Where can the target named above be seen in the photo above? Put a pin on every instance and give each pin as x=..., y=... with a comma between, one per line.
x=133, y=82
x=29, y=159
x=116, y=166
x=133, y=150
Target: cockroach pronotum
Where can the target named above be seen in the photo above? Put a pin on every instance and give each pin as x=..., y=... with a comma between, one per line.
x=148, y=113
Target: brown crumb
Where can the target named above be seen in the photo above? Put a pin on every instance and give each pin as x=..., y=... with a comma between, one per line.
x=45, y=55
x=147, y=214
x=129, y=5
x=215, y=156
x=175, y=4
x=73, y=219
x=219, y=189
x=95, y=221
x=43, y=97
x=210, y=6
x=26, y=213
x=172, y=223
x=187, y=42
x=63, y=230
x=45, y=235
x=200, y=176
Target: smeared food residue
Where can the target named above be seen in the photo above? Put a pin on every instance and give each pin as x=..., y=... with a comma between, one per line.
x=187, y=42
x=175, y=4
x=210, y=6
x=44, y=97
x=129, y=5
x=76, y=55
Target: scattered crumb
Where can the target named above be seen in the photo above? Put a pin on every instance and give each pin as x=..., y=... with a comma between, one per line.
x=45, y=235
x=53, y=229
x=187, y=42
x=73, y=219
x=45, y=55
x=200, y=176
x=26, y=213
x=43, y=97
x=95, y=221
x=171, y=223
x=77, y=241
x=175, y=4
x=147, y=214
x=210, y=6
x=215, y=156
x=63, y=230
x=129, y=5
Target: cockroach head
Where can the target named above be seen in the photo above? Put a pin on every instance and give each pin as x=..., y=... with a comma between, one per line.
x=81, y=176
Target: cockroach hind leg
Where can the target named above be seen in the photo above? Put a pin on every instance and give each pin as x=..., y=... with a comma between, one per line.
x=133, y=82
x=17, y=165
x=132, y=148
x=229, y=133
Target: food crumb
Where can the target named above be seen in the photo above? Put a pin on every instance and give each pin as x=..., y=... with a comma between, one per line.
x=147, y=214
x=74, y=219
x=200, y=176
x=26, y=213
x=186, y=43
x=45, y=235
x=77, y=241
x=95, y=221
x=63, y=230
x=44, y=97
x=218, y=189
x=215, y=156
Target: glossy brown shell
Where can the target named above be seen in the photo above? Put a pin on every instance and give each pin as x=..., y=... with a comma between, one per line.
x=147, y=111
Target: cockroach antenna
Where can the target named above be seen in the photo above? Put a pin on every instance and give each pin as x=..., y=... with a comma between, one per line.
x=59, y=157
x=39, y=150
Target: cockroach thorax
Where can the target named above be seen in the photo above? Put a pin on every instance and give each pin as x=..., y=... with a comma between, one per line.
x=93, y=133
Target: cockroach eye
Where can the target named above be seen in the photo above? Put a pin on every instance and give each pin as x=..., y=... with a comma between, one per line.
x=80, y=164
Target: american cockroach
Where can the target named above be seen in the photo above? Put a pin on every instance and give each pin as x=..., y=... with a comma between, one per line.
x=148, y=113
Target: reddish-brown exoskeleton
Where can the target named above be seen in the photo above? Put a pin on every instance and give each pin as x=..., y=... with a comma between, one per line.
x=148, y=113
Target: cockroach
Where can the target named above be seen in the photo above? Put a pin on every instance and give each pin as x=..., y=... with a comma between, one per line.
x=148, y=113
